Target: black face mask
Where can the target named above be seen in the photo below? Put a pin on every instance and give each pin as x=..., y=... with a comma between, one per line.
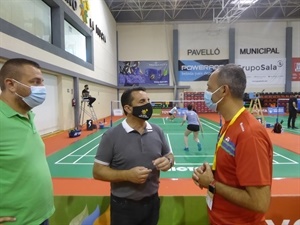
x=143, y=112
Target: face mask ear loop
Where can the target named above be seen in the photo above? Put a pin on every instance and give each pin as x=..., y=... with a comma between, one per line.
x=217, y=90
x=219, y=100
x=22, y=83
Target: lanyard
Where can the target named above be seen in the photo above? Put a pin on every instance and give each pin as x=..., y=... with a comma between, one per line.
x=223, y=134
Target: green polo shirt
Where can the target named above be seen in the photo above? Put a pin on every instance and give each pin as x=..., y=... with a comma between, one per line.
x=25, y=181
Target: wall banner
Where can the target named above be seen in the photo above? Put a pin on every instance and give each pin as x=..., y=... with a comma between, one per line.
x=143, y=73
x=275, y=110
x=295, y=69
x=263, y=72
x=198, y=70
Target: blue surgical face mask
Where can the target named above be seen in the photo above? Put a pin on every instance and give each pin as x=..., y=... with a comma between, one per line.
x=36, y=97
x=208, y=100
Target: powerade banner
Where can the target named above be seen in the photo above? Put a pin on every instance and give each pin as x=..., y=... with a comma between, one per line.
x=198, y=70
x=264, y=72
x=143, y=73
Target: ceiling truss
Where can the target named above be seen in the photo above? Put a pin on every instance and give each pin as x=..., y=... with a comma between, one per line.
x=216, y=11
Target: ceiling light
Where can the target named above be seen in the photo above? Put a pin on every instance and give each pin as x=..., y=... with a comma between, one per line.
x=243, y=2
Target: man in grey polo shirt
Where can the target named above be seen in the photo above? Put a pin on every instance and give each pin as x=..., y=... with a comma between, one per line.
x=131, y=156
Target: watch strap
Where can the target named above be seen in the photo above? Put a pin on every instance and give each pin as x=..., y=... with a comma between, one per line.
x=170, y=161
x=213, y=183
x=212, y=186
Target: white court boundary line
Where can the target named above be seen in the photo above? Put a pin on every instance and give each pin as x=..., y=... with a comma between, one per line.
x=84, y=154
x=81, y=156
x=57, y=162
x=203, y=121
x=292, y=162
x=277, y=154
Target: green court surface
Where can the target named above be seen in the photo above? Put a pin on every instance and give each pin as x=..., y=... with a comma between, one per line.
x=273, y=119
x=76, y=160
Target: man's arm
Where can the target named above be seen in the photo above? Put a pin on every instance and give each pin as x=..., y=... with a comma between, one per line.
x=6, y=219
x=135, y=175
x=164, y=163
x=256, y=198
x=171, y=159
x=85, y=93
x=295, y=105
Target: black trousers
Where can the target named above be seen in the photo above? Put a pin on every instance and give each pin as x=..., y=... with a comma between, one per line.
x=91, y=100
x=46, y=222
x=292, y=117
x=128, y=212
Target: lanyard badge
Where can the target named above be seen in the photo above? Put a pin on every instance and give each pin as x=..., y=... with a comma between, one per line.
x=223, y=135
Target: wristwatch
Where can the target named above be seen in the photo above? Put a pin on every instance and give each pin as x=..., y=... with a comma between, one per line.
x=170, y=161
x=212, y=187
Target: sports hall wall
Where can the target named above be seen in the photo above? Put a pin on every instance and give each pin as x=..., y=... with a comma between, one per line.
x=43, y=31
x=108, y=43
x=202, y=41
x=66, y=74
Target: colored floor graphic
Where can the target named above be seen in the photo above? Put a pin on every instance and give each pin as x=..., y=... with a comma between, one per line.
x=76, y=160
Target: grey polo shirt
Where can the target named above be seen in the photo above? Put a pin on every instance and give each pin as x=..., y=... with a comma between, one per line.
x=123, y=148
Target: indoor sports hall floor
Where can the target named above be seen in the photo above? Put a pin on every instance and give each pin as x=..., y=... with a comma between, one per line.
x=71, y=159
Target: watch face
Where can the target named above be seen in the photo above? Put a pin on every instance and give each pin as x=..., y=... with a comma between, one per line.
x=212, y=189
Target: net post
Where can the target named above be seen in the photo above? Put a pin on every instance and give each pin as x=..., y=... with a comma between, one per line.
x=111, y=113
x=284, y=101
x=277, y=111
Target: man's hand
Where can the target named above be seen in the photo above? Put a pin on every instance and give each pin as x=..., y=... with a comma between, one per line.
x=138, y=174
x=206, y=177
x=7, y=219
x=162, y=163
x=203, y=175
x=196, y=174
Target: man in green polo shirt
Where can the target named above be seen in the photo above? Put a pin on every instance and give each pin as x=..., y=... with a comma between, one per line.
x=26, y=193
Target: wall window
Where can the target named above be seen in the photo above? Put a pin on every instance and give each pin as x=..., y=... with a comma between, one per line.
x=30, y=15
x=75, y=42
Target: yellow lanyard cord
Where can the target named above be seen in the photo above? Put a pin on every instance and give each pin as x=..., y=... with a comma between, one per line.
x=223, y=134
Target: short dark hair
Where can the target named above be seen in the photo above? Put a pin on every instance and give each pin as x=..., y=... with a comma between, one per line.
x=86, y=85
x=233, y=76
x=126, y=98
x=190, y=107
x=11, y=69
